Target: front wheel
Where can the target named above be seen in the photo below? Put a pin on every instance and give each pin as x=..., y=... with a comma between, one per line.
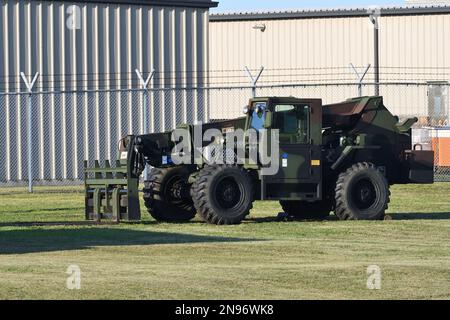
x=362, y=193
x=166, y=195
x=223, y=194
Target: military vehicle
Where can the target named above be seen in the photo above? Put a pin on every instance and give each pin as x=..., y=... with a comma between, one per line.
x=340, y=157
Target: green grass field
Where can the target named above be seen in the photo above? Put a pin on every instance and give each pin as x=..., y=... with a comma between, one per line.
x=42, y=234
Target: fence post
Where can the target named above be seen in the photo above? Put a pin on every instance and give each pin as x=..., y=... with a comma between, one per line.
x=144, y=84
x=374, y=14
x=254, y=80
x=360, y=77
x=29, y=86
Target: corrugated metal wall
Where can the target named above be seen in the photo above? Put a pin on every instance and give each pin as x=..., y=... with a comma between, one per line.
x=112, y=41
x=319, y=50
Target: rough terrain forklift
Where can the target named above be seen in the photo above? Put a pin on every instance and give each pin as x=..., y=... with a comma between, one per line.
x=340, y=157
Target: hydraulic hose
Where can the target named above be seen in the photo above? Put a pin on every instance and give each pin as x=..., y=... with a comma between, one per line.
x=137, y=159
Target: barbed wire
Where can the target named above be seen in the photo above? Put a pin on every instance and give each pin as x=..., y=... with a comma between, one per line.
x=224, y=77
x=210, y=71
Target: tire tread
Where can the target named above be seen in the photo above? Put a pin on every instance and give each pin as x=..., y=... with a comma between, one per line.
x=200, y=192
x=342, y=210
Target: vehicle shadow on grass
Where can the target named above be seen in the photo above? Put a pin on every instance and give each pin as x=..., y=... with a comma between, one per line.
x=333, y=218
x=272, y=219
x=85, y=223
x=47, y=240
x=420, y=216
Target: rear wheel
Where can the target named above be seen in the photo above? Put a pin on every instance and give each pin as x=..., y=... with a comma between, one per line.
x=223, y=194
x=303, y=210
x=362, y=193
x=167, y=196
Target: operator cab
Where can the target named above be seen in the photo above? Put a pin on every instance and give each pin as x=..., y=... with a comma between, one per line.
x=299, y=126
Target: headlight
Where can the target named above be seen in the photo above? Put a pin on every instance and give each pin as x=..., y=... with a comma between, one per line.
x=246, y=109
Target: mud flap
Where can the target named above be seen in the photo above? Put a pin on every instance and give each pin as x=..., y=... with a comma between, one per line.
x=419, y=166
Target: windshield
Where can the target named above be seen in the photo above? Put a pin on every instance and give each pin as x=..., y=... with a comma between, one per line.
x=258, y=116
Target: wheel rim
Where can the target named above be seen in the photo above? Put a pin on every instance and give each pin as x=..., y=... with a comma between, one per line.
x=228, y=193
x=173, y=190
x=364, y=194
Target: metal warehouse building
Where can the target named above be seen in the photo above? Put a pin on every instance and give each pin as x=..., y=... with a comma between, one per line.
x=100, y=43
x=83, y=51
x=316, y=47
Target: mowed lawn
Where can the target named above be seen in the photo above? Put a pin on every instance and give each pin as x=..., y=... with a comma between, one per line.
x=263, y=258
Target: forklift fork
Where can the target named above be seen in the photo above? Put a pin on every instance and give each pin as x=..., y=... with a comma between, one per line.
x=112, y=192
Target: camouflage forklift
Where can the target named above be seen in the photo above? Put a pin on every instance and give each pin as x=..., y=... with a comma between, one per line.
x=341, y=157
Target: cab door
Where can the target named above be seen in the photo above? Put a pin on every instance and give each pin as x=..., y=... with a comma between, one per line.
x=299, y=123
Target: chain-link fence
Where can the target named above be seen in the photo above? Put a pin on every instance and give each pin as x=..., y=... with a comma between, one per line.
x=70, y=127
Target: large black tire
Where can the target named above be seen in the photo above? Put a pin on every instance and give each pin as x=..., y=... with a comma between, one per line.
x=159, y=196
x=362, y=193
x=304, y=210
x=223, y=194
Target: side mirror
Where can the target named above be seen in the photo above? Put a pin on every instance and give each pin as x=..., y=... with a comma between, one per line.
x=268, y=120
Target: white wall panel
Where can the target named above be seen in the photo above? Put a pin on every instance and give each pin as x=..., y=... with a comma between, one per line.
x=413, y=47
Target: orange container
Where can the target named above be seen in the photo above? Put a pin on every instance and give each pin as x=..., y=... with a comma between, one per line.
x=440, y=142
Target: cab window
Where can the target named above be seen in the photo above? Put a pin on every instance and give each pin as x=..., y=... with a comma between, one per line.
x=292, y=121
x=258, y=116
